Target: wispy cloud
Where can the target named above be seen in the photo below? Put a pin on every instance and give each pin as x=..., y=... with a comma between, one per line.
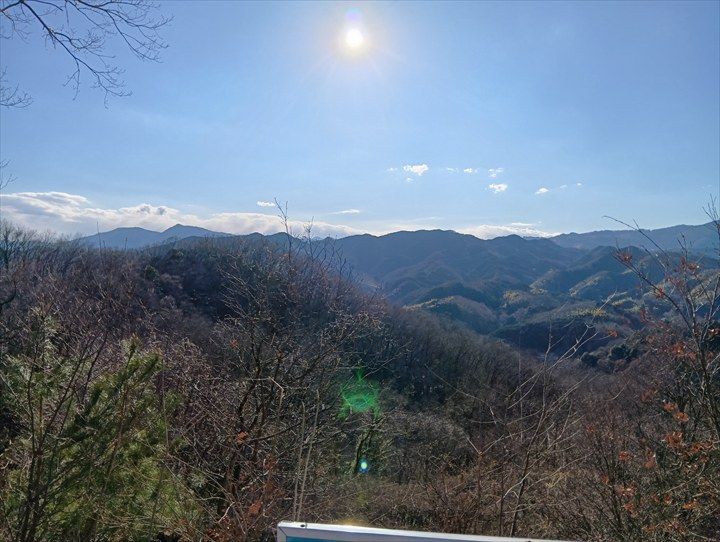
x=72, y=213
x=265, y=203
x=545, y=190
x=452, y=169
x=53, y=198
x=391, y=169
x=76, y=214
x=494, y=172
x=469, y=170
x=347, y=212
x=416, y=169
x=498, y=187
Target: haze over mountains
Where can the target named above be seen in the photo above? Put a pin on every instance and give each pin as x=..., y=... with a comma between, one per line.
x=130, y=238
x=520, y=289
x=700, y=237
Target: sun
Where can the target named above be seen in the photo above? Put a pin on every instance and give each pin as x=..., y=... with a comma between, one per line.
x=354, y=39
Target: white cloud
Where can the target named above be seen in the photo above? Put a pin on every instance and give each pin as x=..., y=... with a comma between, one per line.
x=408, y=179
x=391, y=169
x=266, y=203
x=562, y=186
x=541, y=191
x=490, y=231
x=46, y=200
x=417, y=169
x=451, y=169
x=347, y=212
x=469, y=170
x=71, y=214
x=75, y=214
x=578, y=184
x=494, y=172
x=498, y=187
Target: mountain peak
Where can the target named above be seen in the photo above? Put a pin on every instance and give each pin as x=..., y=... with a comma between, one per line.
x=183, y=228
x=176, y=227
x=135, y=237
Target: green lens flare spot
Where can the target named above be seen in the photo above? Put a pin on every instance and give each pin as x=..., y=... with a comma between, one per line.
x=359, y=395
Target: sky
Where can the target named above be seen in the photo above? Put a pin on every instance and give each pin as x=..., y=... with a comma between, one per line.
x=486, y=118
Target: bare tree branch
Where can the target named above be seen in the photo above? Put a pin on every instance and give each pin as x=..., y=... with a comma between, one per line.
x=83, y=30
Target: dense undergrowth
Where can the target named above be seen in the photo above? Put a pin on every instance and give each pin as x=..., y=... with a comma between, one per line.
x=207, y=391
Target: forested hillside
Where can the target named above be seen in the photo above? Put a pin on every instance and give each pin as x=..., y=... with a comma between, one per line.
x=207, y=390
x=531, y=293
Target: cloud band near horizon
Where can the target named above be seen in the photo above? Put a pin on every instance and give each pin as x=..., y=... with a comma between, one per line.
x=73, y=214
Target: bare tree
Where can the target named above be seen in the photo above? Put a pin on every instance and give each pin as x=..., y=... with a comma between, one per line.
x=12, y=96
x=693, y=294
x=82, y=29
x=653, y=444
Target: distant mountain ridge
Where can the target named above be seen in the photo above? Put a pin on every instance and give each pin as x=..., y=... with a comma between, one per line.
x=132, y=238
x=409, y=264
x=522, y=290
x=702, y=237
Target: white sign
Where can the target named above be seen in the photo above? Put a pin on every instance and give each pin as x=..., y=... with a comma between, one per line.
x=288, y=531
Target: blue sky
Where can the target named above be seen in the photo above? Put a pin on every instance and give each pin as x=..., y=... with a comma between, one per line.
x=611, y=108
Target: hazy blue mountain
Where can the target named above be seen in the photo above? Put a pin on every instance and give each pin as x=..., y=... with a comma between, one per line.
x=131, y=238
x=408, y=266
x=179, y=231
x=522, y=290
x=595, y=275
x=398, y=248
x=701, y=238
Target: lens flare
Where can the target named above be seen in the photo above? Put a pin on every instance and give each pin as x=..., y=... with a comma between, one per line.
x=354, y=41
x=354, y=38
x=353, y=15
x=359, y=395
x=363, y=466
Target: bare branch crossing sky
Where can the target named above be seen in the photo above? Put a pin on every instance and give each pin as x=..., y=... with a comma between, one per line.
x=488, y=118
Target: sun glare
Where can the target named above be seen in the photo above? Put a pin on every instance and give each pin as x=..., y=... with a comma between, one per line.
x=354, y=39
